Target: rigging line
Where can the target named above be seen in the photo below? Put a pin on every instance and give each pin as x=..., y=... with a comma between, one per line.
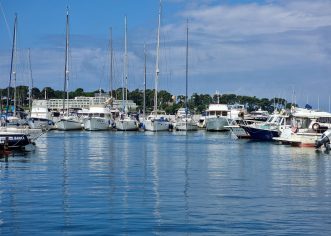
x=7, y=25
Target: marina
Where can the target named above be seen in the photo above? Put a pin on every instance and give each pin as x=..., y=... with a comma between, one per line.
x=165, y=117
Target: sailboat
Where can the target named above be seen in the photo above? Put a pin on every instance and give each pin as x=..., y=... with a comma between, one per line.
x=15, y=137
x=125, y=122
x=68, y=121
x=157, y=120
x=184, y=120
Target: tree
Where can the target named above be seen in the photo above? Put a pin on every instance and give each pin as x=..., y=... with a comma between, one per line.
x=137, y=96
x=35, y=93
x=79, y=92
x=47, y=92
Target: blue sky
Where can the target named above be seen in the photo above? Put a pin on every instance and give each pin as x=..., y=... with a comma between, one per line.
x=257, y=48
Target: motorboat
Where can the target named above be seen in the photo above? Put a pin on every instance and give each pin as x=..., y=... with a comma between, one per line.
x=306, y=127
x=41, y=116
x=217, y=117
x=268, y=130
x=97, y=117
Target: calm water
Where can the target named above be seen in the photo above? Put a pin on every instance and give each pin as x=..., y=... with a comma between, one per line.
x=165, y=184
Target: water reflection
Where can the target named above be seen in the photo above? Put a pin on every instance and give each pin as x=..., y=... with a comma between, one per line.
x=164, y=183
x=187, y=182
x=67, y=147
x=154, y=147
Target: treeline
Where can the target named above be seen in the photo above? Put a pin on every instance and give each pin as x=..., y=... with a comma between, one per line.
x=166, y=101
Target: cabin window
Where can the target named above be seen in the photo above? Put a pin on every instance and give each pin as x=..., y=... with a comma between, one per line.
x=324, y=120
x=301, y=123
x=224, y=113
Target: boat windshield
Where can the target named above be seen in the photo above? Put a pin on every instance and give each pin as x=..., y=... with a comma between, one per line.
x=270, y=119
x=278, y=120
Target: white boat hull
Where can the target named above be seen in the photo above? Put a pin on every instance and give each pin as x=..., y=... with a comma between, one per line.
x=301, y=139
x=126, y=125
x=186, y=126
x=97, y=123
x=156, y=125
x=38, y=123
x=216, y=123
x=238, y=131
x=65, y=124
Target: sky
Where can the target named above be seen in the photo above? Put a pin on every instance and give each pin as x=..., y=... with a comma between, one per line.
x=262, y=48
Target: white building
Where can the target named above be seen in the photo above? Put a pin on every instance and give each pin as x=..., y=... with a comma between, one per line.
x=84, y=102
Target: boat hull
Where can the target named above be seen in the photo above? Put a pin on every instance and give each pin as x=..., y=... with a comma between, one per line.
x=261, y=134
x=40, y=123
x=298, y=139
x=13, y=140
x=64, y=124
x=216, y=123
x=156, y=125
x=126, y=125
x=239, y=132
x=186, y=126
x=96, y=124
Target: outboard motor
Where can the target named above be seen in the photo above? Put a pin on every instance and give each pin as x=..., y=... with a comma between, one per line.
x=324, y=139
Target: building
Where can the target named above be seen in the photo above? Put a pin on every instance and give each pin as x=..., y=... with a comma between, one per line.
x=85, y=102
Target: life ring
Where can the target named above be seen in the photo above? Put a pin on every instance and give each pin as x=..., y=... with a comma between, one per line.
x=316, y=126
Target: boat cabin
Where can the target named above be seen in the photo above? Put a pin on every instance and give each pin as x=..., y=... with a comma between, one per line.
x=218, y=110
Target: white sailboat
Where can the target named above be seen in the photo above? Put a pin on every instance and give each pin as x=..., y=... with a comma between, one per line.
x=16, y=137
x=68, y=121
x=125, y=122
x=157, y=120
x=184, y=120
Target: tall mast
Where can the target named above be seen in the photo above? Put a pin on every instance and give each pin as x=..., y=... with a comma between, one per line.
x=66, y=66
x=186, y=74
x=31, y=81
x=111, y=62
x=157, y=71
x=144, y=105
x=126, y=63
x=12, y=69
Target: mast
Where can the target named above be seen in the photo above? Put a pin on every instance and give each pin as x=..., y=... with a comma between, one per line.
x=66, y=66
x=186, y=73
x=125, y=78
x=12, y=69
x=111, y=62
x=144, y=105
x=31, y=81
x=157, y=71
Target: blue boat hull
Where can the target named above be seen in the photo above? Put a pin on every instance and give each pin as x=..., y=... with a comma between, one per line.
x=261, y=134
x=13, y=141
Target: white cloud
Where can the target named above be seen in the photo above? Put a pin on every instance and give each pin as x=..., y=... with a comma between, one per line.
x=279, y=39
x=255, y=48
